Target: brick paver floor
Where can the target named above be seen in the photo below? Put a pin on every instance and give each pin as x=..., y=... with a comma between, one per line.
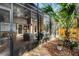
x=39, y=51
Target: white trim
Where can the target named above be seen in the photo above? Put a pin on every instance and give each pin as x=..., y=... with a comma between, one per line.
x=4, y=8
x=28, y=8
x=6, y=27
x=34, y=7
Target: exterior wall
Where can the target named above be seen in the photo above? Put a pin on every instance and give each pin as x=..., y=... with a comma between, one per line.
x=20, y=21
x=41, y=24
x=34, y=26
x=46, y=23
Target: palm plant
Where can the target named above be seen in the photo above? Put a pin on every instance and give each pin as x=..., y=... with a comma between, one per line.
x=63, y=16
x=48, y=10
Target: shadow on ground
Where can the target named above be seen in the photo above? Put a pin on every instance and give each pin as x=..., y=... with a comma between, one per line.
x=18, y=51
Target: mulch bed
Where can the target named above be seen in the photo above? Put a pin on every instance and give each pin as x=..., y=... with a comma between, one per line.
x=52, y=48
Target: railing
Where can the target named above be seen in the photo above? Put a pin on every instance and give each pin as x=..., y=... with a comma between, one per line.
x=6, y=27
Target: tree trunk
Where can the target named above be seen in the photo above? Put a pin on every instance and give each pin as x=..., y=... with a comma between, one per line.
x=67, y=33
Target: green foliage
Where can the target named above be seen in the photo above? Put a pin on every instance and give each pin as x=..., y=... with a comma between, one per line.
x=47, y=9
x=64, y=16
x=69, y=44
x=75, y=44
x=68, y=8
x=67, y=13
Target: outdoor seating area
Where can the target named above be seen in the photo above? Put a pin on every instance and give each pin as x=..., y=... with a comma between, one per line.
x=39, y=29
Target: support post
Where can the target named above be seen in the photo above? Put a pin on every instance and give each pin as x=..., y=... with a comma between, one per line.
x=0, y=32
x=11, y=31
x=31, y=23
x=50, y=26
x=38, y=20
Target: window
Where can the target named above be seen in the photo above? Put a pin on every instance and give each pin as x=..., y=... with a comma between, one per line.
x=20, y=29
x=1, y=18
x=4, y=16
